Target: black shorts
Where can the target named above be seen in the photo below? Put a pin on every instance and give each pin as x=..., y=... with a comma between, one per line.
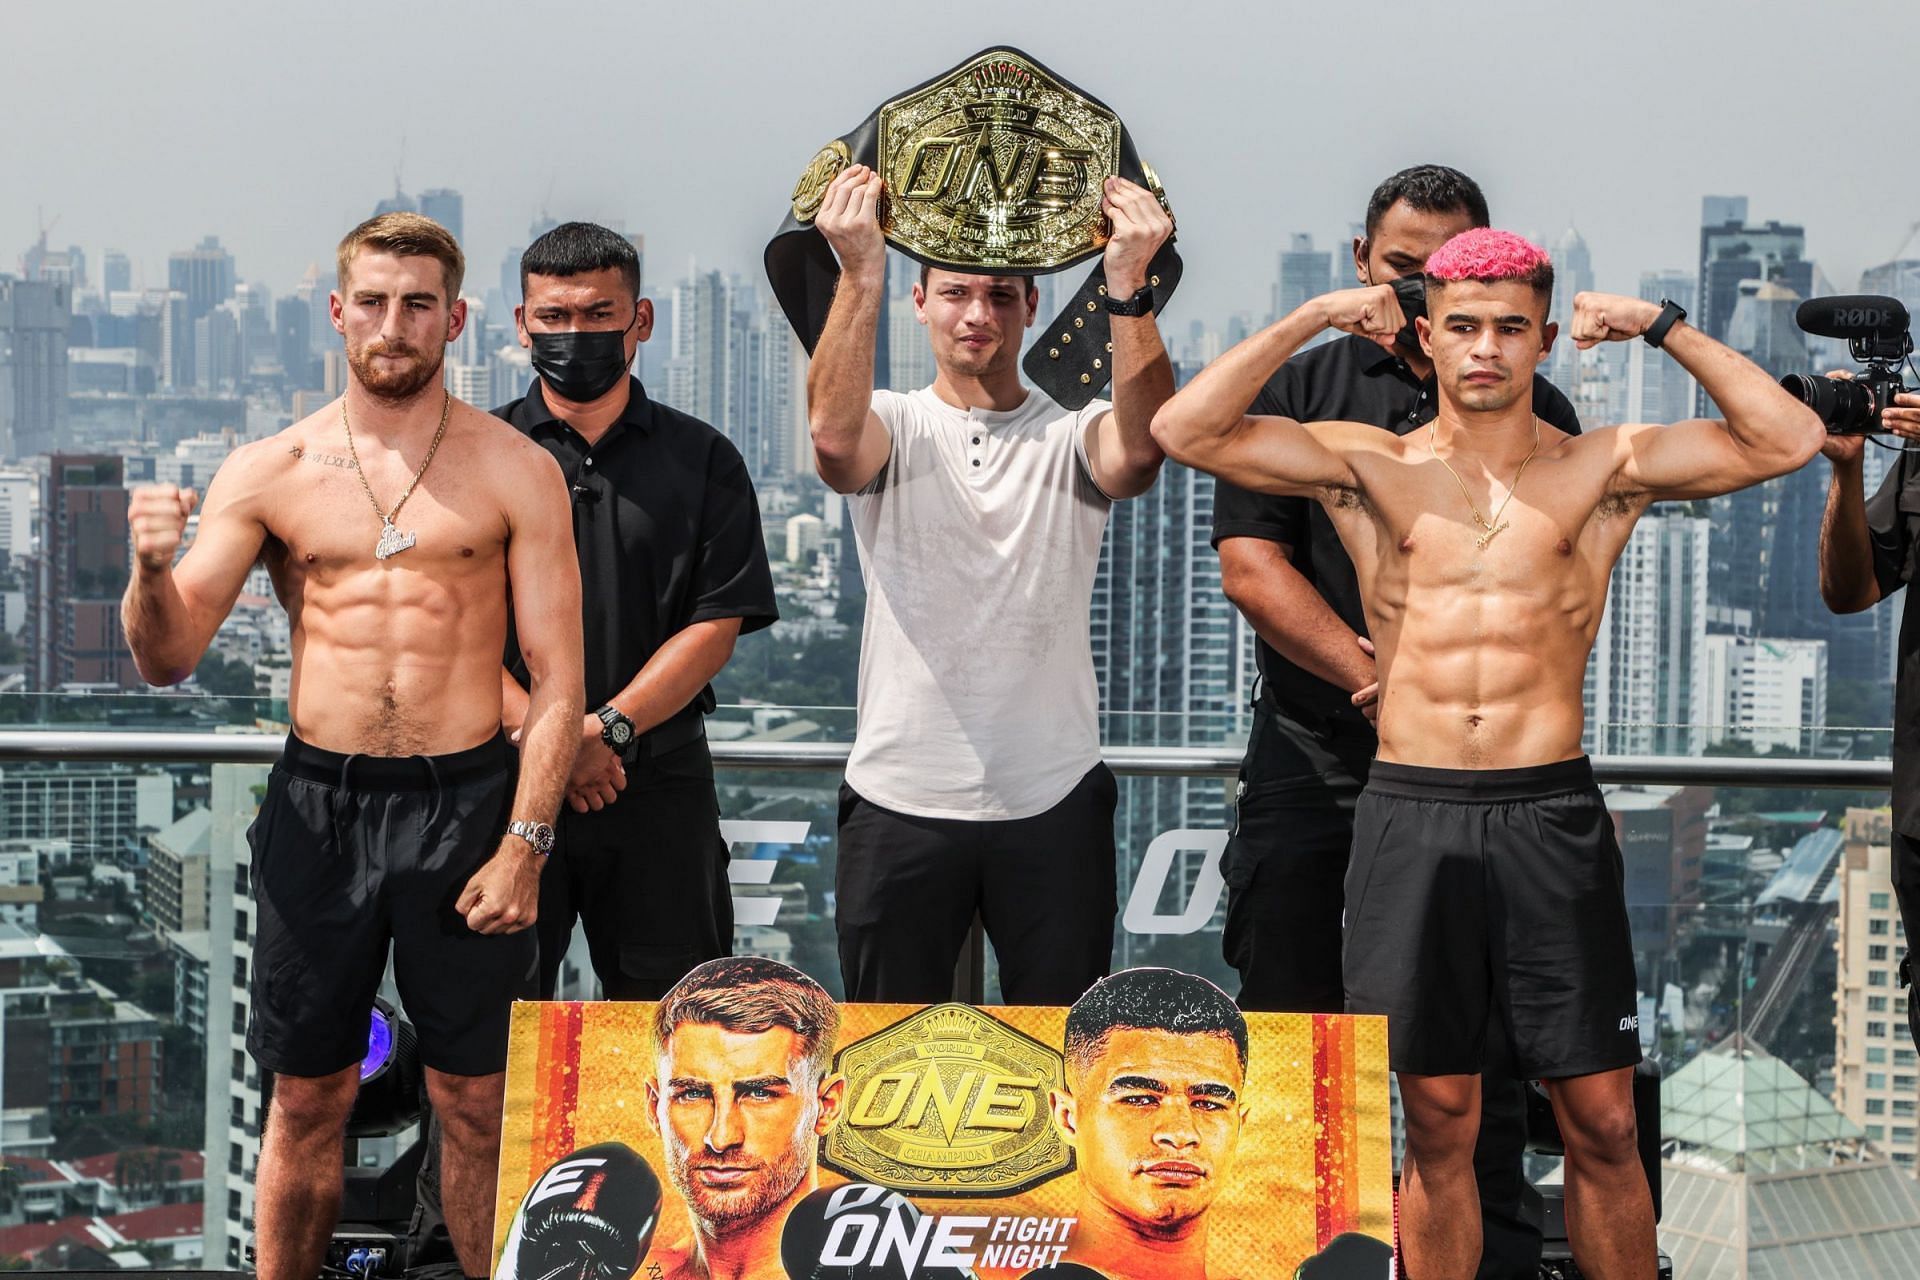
x=353, y=852
x=1475, y=892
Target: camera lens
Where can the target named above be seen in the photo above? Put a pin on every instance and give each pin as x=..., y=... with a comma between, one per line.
x=1845, y=407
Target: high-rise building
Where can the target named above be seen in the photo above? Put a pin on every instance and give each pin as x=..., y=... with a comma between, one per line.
x=19, y=496
x=1731, y=253
x=697, y=375
x=34, y=321
x=316, y=291
x=1874, y=1066
x=1647, y=671
x=204, y=275
x=398, y=202
x=232, y=1137
x=1304, y=273
x=909, y=354
x=78, y=575
x=116, y=272
x=1768, y=692
x=293, y=336
x=1170, y=656
x=1572, y=274
x=176, y=884
x=216, y=350
x=98, y=810
x=444, y=206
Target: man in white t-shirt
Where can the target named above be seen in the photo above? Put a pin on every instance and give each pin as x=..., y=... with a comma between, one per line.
x=978, y=506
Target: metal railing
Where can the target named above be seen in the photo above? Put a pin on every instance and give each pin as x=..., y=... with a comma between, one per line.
x=1148, y=762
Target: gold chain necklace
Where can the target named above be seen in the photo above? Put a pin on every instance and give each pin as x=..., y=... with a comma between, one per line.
x=1495, y=525
x=392, y=542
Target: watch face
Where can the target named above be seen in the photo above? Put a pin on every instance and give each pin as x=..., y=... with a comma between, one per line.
x=620, y=733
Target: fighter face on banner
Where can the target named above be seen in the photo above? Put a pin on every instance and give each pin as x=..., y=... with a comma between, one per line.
x=1156, y=1063
x=741, y=1093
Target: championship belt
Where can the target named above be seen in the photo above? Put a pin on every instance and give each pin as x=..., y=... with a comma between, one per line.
x=996, y=168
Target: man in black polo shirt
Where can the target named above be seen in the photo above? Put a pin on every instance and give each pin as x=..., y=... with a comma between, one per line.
x=673, y=569
x=1867, y=552
x=1312, y=741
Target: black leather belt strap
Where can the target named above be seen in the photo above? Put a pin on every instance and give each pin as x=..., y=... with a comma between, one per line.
x=1071, y=357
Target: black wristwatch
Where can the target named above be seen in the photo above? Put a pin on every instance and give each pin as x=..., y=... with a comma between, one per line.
x=615, y=729
x=1670, y=315
x=1138, y=305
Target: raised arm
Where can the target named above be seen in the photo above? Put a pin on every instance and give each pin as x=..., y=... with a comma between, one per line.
x=850, y=443
x=1120, y=447
x=170, y=612
x=1206, y=424
x=543, y=583
x=1766, y=431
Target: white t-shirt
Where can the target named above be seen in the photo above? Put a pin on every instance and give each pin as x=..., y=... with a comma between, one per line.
x=978, y=542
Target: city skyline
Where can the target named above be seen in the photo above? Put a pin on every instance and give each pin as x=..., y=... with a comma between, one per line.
x=727, y=124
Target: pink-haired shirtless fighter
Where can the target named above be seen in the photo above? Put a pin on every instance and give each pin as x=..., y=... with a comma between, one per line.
x=1485, y=875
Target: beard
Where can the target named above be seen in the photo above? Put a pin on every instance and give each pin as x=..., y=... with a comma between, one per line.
x=720, y=1208
x=386, y=382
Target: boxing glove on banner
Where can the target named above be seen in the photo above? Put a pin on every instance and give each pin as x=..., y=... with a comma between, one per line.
x=590, y=1216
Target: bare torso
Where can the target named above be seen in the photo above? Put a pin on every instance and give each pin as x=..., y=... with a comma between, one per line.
x=1482, y=651
x=401, y=656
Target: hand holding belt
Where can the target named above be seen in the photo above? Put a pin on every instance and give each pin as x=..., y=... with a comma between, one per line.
x=993, y=167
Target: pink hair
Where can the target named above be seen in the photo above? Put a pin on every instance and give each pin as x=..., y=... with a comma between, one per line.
x=1484, y=254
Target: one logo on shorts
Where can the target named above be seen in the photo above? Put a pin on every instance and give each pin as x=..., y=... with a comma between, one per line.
x=1630, y=1023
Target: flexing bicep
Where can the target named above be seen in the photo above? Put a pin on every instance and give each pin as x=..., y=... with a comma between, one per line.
x=543, y=576
x=1697, y=458
x=1279, y=455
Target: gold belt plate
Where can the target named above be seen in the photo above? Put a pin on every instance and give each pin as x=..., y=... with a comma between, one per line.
x=949, y=1101
x=997, y=165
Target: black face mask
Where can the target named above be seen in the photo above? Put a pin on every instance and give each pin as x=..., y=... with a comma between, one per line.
x=581, y=366
x=1412, y=293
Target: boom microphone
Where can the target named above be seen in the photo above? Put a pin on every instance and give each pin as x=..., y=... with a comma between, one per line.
x=1853, y=315
x=590, y=1216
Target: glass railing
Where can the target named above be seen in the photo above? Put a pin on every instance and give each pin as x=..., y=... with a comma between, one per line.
x=1756, y=875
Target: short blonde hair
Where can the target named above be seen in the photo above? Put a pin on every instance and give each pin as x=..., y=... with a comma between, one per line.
x=405, y=235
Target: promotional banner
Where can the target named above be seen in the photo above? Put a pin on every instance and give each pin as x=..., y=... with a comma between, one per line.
x=749, y=1126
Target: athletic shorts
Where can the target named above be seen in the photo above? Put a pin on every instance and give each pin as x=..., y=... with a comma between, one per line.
x=353, y=853
x=1473, y=892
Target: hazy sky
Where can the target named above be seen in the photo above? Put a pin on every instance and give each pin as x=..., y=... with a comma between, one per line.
x=145, y=126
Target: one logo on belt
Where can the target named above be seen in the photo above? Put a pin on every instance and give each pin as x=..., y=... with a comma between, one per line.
x=997, y=165
x=948, y=1101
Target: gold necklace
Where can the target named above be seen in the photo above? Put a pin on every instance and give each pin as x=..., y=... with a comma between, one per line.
x=392, y=542
x=1495, y=525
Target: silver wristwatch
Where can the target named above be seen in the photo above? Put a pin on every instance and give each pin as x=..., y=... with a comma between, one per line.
x=538, y=835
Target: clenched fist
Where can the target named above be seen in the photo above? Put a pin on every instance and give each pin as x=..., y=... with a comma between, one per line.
x=849, y=218
x=1372, y=311
x=157, y=519
x=1608, y=317
x=1140, y=227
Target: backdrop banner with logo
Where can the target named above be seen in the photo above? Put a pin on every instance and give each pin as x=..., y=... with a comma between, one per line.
x=749, y=1122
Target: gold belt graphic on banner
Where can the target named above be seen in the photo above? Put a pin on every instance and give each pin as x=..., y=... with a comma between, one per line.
x=949, y=1101
x=996, y=165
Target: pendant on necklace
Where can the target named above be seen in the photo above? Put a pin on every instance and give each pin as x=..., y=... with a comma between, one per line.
x=392, y=541
x=1480, y=542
